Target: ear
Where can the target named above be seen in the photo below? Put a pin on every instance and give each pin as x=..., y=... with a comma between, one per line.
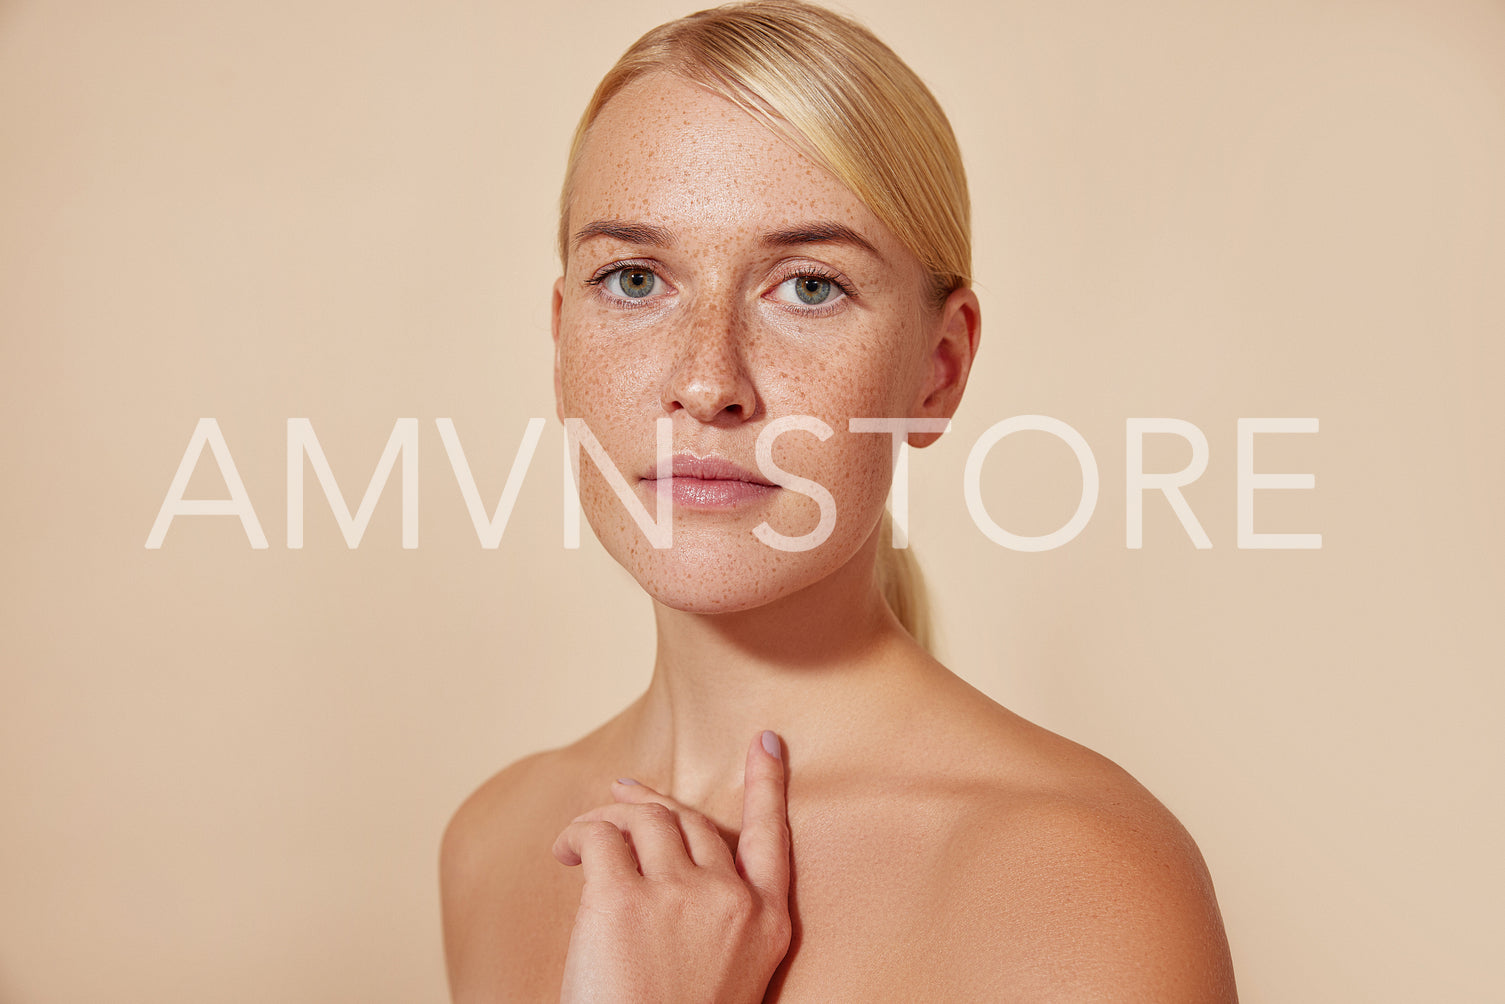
x=953, y=346
x=554, y=327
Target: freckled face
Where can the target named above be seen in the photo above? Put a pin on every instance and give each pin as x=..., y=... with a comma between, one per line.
x=720, y=278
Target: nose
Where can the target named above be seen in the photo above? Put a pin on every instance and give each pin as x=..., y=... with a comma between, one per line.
x=710, y=378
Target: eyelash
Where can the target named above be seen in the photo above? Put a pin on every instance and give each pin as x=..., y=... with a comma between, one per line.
x=812, y=272
x=618, y=266
x=607, y=271
x=817, y=272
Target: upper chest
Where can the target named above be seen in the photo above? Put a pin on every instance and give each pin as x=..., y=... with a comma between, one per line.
x=874, y=908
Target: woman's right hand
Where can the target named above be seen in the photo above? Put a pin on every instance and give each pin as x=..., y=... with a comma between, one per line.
x=667, y=912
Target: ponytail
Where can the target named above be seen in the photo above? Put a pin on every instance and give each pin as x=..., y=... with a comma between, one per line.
x=902, y=585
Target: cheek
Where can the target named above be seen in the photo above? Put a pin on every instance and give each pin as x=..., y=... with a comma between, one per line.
x=600, y=377
x=854, y=467
x=880, y=377
x=580, y=384
x=605, y=388
x=875, y=374
x=860, y=476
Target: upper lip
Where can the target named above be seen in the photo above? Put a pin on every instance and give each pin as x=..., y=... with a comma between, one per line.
x=712, y=468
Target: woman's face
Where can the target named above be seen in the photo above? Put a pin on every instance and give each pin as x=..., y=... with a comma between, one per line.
x=718, y=277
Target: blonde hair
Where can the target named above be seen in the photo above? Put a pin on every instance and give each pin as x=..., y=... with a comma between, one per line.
x=828, y=86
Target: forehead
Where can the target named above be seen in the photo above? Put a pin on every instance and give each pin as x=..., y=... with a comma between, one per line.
x=669, y=152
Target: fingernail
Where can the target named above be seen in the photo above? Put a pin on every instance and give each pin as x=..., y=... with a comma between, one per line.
x=625, y=780
x=771, y=744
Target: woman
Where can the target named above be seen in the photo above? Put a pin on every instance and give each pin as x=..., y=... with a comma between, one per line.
x=764, y=222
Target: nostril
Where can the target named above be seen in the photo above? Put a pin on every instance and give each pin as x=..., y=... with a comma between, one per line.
x=711, y=389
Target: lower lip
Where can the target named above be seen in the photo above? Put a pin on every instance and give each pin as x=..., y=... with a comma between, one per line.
x=699, y=493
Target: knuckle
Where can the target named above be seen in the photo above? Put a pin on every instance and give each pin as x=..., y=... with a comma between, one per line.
x=656, y=812
x=670, y=894
x=733, y=902
x=778, y=930
x=697, y=820
x=744, y=899
x=599, y=829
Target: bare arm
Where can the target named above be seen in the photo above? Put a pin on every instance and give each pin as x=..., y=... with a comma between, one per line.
x=1097, y=903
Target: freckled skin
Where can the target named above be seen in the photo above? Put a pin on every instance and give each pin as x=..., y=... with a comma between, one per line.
x=942, y=847
x=716, y=350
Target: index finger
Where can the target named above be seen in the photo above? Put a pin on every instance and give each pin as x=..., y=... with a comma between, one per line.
x=763, y=848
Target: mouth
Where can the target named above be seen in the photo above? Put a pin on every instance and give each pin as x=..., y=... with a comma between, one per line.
x=710, y=483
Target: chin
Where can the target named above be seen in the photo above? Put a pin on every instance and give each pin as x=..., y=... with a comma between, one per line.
x=694, y=602
x=688, y=579
x=710, y=574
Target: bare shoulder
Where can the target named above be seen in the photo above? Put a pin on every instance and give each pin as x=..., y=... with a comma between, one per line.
x=495, y=816
x=1079, y=881
x=501, y=891
x=533, y=797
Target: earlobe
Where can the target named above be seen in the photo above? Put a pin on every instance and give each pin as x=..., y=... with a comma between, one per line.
x=955, y=341
x=554, y=311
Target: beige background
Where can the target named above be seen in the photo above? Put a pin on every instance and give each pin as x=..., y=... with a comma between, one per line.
x=224, y=772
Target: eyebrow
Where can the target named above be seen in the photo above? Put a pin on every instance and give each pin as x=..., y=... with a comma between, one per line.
x=819, y=232
x=648, y=235
x=628, y=233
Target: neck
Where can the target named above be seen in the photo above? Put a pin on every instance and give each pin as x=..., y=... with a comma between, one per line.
x=812, y=666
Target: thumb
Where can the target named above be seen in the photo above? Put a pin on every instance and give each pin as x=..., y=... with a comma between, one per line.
x=763, y=848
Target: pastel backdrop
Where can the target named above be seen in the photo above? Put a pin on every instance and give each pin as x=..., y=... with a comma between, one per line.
x=224, y=771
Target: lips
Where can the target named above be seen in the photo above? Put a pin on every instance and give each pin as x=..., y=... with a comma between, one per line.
x=711, y=483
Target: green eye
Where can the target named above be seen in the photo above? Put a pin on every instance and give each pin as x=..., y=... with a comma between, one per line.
x=635, y=282
x=812, y=289
x=809, y=291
